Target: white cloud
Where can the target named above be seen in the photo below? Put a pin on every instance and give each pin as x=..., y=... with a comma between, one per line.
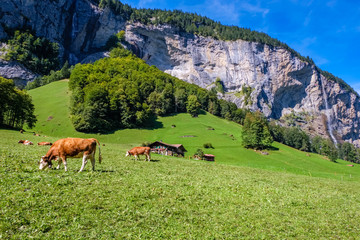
x=307, y=19
x=253, y=9
x=320, y=60
x=331, y=3
x=306, y=42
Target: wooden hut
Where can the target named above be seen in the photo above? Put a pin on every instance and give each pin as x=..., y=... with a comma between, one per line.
x=167, y=149
x=209, y=157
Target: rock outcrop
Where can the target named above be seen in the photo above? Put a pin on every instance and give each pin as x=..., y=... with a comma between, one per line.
x=278, y=83
x=14, y=70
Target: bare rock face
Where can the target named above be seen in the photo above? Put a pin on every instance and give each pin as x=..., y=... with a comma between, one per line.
x=281, y=85
x=255, y=76
x=17, y=72
x=79, y=26
x=14, y=70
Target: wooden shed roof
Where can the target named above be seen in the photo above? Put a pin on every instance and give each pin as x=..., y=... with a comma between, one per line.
x=178, y=146
x=209, y=155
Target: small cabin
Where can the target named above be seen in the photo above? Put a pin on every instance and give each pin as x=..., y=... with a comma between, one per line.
x=209, y=157
x=167, y=149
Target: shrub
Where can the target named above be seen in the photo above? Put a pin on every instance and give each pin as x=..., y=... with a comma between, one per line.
x=146, y=144
x=208, y=145
x=200, y=153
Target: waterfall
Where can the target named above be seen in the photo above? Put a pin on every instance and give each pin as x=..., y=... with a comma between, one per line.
x=74, y=29
x=328, y=113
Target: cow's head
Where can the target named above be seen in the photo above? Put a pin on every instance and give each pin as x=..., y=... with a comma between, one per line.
x=44, y=162
x=127, y=154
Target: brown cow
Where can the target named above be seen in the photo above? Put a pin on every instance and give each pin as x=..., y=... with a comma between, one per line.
x=136, y=151
x=74, y=148
x=44, y=143
x=25, y=142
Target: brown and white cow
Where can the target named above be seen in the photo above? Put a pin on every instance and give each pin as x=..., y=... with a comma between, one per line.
x=44, y=143
x=136, y=151
x=25, y=142
x=73, y=148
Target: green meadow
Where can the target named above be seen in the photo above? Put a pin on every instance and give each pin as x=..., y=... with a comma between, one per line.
x=51, y=107
x=287, y=194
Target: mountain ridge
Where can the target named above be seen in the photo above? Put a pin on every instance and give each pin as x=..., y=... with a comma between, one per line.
x=280, y=82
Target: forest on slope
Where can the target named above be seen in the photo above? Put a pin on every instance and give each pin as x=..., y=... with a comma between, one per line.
x=200, y=25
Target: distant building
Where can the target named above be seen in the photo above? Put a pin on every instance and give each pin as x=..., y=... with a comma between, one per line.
x=168, y=149
x=209, y=157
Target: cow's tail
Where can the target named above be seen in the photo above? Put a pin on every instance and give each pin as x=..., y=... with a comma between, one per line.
x=100, y=158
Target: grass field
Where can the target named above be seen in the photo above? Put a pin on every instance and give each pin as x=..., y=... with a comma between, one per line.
x=243, y=195
x=51, y=106
x=168, y=198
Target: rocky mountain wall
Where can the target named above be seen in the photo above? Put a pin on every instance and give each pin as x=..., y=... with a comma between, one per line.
x=278, y=83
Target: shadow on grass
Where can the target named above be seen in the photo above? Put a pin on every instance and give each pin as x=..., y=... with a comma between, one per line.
x=272, y=148
x=77, y=170
x=142, y=160
x=151, y=124
x=104, y=171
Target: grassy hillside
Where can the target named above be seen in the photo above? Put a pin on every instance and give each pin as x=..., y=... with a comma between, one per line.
x=283, y=195
x=168, y=198
x=51, y=107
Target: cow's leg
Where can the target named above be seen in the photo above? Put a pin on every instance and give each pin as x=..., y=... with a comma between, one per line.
x=59, y=163
x=63, y=159
x=93, y=161
x=148, y=156
x=84, y=161
x=136, y=157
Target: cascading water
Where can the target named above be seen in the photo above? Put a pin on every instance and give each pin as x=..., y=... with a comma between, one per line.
x=74, y=30
x=328, y=113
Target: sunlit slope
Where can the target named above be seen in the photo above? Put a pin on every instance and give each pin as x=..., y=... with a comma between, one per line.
x=167, y=198
x=52, y=104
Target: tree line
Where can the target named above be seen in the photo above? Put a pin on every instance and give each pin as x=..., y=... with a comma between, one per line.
x=258, y=133
x=63, y=73
x=37, y=54
x=196, y=24
x=122, y=91
x=16, y=106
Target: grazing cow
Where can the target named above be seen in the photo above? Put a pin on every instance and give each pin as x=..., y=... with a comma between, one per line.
x=44, y=143
x=136, y=151
x=74, y=148
x=25, y=142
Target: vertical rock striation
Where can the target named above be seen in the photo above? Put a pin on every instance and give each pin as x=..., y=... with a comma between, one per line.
x=281, y=84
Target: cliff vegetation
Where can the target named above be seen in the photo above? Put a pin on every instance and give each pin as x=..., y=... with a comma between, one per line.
x=196, y=24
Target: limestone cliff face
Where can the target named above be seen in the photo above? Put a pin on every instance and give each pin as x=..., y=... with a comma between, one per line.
x=79, y=26
x=279, y=84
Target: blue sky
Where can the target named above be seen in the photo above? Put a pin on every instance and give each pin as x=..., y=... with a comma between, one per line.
x=326, y=30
